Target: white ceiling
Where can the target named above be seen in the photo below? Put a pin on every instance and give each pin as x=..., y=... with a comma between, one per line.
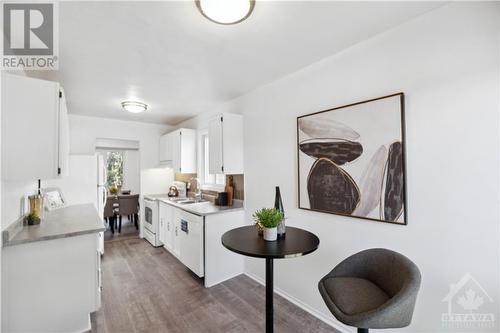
x=169, y=56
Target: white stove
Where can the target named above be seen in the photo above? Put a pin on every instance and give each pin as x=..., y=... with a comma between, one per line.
x=151, y=212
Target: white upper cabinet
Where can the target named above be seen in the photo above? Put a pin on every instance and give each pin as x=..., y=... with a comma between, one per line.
x=215, y=159
x=63, y=135
x=225, y=139
x=185, y=156
x=175, y=138
x=35, y=129
x=179, y=148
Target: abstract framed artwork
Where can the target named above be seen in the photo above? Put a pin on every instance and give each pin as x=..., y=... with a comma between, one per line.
x=351, y=160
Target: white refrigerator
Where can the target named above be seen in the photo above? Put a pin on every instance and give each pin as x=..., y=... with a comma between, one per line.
x=85, y=183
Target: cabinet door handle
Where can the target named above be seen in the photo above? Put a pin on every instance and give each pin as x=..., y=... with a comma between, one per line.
x=176, y=231
x=168, y=226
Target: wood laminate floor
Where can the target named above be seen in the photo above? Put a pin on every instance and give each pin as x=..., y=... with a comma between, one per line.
x=146, y=289
x=128, y=231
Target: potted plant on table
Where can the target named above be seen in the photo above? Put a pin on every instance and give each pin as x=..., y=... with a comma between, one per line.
x=268, y=219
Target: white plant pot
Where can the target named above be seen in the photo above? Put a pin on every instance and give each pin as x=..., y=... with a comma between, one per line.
x=270, y=234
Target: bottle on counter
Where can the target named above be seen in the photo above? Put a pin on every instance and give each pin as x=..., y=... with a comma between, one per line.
x=278, y=204
x=230, y=190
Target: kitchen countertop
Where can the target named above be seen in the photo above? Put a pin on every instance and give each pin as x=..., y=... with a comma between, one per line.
x=65, y=222
x=200, y=208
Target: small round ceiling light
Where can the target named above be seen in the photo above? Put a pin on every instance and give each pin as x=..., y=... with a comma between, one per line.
x=134, y=107
x=226, y=11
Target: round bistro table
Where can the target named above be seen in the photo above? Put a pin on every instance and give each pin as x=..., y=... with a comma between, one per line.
x=246, y=241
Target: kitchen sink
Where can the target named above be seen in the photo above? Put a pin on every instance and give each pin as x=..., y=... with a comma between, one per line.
x=189, y=201
x=185, y=202
x=177, y=199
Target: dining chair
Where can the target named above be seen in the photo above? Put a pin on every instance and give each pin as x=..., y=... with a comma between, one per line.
x=110, y=212
x=129, y=206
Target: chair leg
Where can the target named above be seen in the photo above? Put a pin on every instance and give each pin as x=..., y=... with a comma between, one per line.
x=362, y=330
x=112, y=224
x=120, y=225
x=136, y=221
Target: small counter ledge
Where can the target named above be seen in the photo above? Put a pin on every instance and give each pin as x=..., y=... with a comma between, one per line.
x=65, y=222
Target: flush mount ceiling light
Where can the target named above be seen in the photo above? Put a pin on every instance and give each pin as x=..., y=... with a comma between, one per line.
x=134, y=107
x=226, y=11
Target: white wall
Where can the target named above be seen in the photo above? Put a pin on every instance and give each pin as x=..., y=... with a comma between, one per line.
x=447, y=63
x=131, y=171
x=201, y=121
x=15, y=199
x=85, y=130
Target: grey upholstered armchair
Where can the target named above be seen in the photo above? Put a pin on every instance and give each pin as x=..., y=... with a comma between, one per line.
x=375, y=288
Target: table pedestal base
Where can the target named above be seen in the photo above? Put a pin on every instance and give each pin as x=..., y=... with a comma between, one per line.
x=269, y=296
x=247, y=241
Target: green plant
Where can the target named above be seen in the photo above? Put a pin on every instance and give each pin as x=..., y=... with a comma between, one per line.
x=268, y=217
x=114, y=164
x=33, y=218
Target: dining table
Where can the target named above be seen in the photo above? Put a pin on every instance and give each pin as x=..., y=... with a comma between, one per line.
x=248, y=242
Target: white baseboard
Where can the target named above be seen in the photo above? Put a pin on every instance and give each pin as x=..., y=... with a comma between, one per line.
x=225, y=278
x=327, y=320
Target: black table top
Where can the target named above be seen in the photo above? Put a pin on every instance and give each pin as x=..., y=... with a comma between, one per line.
x=245, y=240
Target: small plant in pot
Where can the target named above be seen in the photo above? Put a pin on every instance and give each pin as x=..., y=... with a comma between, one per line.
x=268, y=219
x=33, y=219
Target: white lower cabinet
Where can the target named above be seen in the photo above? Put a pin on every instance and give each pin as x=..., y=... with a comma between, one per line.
x=176, y=223
x=51, y=285
x=196, y=241
x=162, y=222
x=169, y=229
x=220, y=263
x=191, y=239
x=166, y=225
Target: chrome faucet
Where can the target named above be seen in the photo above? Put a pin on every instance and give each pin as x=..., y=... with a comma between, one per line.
x=197, y=194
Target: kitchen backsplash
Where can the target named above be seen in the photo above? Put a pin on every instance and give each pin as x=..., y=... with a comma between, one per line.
x=184, y=177
x=238, y=182
x=239, y=186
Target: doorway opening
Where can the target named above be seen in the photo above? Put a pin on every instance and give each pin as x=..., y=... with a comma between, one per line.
x=123, y=184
